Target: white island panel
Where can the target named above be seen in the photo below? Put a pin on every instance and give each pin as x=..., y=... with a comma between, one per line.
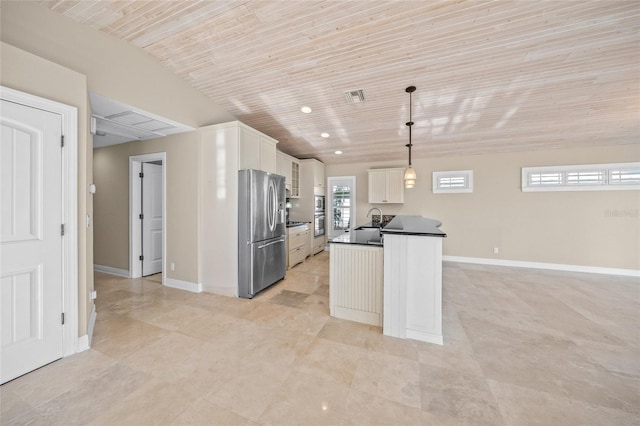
x=413, y=287
x=355, y=283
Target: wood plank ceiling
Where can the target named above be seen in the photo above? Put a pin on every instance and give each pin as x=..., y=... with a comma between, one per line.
x=491, y=76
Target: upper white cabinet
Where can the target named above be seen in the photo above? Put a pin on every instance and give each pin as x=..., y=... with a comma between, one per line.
x=386, y=186
x=313, y=171
x=295, y=179
x=283, y=167
x=289, y=167
x=256, y=150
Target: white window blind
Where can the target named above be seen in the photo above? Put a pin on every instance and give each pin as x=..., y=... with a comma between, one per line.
x=589, y=177
x=453, y=181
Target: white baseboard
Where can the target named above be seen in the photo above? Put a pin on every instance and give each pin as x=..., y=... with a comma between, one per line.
x=425, y=337
x=541, y=265
x=92, y=323
x=112, y=271
x=183, y=285
x=83, y=343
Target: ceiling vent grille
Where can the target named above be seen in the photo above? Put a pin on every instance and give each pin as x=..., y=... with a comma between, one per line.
x=354, y=96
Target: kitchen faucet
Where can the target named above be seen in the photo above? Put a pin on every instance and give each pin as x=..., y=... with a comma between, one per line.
x=379, y=211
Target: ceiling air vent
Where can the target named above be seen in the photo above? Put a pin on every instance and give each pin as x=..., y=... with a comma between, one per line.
x=354, y=96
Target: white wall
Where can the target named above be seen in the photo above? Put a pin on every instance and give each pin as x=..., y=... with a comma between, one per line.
x=571, y=228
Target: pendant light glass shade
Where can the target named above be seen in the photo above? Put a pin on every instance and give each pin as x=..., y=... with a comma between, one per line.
x=410, y=175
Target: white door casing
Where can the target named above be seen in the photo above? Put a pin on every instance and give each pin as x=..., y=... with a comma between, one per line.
x=345, y=207
x=135, y=207
x=31, y=292
x=152, y=218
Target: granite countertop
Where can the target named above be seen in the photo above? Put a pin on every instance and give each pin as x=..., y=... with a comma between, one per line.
x=296, y=223
x=350, y=238
x=399, y=225
x=414, y=225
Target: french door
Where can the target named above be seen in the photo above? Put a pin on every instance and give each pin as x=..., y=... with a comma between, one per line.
x=342, y=205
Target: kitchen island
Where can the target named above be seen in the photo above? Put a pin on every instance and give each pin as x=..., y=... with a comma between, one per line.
x=395, y=281
x=355, y=279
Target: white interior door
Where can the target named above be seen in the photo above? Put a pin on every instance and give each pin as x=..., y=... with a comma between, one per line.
x=31, y=240
x=342, y=205
x=152, y=219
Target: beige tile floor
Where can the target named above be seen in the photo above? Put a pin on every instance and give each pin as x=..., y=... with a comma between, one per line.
x=521, y=347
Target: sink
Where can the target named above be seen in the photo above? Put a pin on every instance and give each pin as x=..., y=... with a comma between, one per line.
x=368, y=235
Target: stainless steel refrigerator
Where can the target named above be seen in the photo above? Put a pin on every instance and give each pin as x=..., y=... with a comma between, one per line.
x=262, y=250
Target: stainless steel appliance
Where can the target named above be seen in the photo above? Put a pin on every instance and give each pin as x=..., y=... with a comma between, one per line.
x=318, y=225
x=262, y=252
x=318, y=216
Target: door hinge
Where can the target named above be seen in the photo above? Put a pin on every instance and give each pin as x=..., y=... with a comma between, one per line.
x=141, y=216
x=62, y=318
x=62, y=229
x=141, y=175
x=61, y=141
x=141, y=257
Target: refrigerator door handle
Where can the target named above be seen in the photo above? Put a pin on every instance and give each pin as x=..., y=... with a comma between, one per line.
x=272, y=206
x=281, y=240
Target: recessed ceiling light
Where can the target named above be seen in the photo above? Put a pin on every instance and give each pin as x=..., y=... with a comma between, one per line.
x=306, y=110
x=324, y=134
x=338, y=152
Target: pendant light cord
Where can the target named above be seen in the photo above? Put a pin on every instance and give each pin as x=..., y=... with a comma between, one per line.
x=410, y=90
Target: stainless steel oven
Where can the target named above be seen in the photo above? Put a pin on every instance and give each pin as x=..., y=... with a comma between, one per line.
x=318, y=224
x=319, y=204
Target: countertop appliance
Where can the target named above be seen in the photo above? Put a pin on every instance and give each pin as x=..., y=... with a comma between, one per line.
x=262, y=250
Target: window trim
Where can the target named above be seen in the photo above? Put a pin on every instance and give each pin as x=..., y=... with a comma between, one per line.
x=606, y=184
x=468, y=177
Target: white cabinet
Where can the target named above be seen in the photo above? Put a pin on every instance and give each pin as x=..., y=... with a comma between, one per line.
x=311, y=184
x=386, y=186
x=283, y=167
x=249, y=149
x=356, y=276
x=256, y=150
x=268, y=154
x=289, y=167
x=312, y=178
x=318, y=177
x=295, y=179
x=297, y=244
x=318, y=244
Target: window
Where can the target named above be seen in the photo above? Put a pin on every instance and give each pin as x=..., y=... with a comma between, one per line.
x=449, y=182
x=589, y=177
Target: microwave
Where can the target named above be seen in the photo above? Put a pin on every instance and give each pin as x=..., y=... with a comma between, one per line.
x=319, y=204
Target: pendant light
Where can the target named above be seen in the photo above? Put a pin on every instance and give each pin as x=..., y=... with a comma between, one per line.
x=410, y=174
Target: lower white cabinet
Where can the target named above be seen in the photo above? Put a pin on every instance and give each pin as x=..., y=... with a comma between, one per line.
x=318, y=244
x=297, y=244
x=355, y=283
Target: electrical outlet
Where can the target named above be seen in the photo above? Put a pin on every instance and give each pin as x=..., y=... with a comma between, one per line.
x=172, y=266
x=94, y=295
x=496, y=250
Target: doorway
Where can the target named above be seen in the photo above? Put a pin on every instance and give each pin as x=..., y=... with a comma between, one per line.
x=38, y=250
x=342, y=204
x=147, y=223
